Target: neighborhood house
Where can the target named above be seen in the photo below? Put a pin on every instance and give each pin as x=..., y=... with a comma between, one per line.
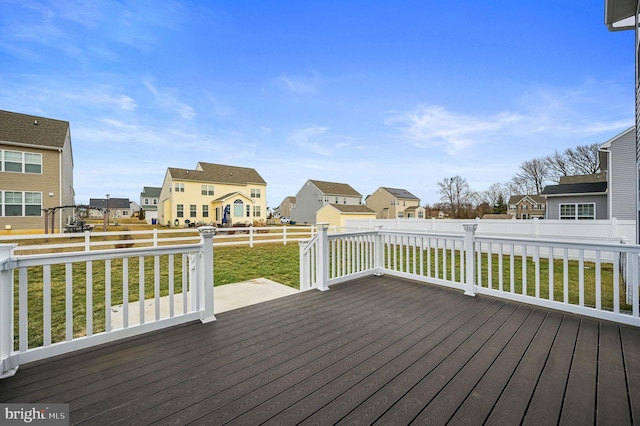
x=212, y=194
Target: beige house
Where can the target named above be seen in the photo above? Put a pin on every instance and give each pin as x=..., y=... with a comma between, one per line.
x=392, y=203
x=526, y=206
x=36, y=172
x=338, y=214
x=316, y=194
x=212, y=194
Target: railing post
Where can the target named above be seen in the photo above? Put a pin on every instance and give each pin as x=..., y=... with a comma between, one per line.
x=284, y=235
x=206, y=284
x=251, y=236
x=8, y=364
x=378, y=248
x=469, y=257
x=304, y=267
x=322, y=256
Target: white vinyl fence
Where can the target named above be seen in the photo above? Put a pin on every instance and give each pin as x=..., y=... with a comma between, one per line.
x=88, y=241
x=612, y=231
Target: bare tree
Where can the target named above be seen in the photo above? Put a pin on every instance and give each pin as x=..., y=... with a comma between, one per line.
x=455, y=192
x=558, y=166
x=583, y=160
x=533, y=175
x=495, y=190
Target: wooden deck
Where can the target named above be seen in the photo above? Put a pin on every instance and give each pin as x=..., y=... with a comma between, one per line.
x=378, y=350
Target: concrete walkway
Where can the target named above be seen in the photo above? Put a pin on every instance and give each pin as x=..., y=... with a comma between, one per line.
x=226, y=297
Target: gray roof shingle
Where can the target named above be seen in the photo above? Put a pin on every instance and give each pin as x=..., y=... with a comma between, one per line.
x=218, y=173
x=26, y=129
x=333, y=188
x=575, y=188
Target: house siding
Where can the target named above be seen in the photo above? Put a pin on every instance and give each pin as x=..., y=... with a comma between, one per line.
x=553, y=205
x=622, y=170
x=49, y=181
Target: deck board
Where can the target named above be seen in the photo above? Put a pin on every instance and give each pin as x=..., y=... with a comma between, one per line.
x=375, y=350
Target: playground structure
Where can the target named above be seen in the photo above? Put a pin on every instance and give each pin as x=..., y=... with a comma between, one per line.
x=77, y=222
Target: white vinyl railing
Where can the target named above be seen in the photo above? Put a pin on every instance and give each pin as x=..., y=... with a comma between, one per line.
x=588, y=278
x=55, y=303
x=94, y=240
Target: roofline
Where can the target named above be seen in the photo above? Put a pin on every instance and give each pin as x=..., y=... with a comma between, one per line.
x=577, y=194
x=607, y=144
x=619, y=15
x=30, y=145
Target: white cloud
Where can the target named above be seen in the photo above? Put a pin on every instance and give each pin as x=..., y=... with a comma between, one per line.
x=167, y=99
x=434, y=126
x=297, y=85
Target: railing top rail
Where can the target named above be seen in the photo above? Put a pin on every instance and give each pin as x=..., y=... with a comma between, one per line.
x=85, y=256
x=455, y=235
x=337, y=235
x=588, y=245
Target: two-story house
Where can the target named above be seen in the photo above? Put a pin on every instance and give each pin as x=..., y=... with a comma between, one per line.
x=149, y=198
x=526, y=206
x=391, y=203
x=36, y=172
x=315, y=194
x=212, y=194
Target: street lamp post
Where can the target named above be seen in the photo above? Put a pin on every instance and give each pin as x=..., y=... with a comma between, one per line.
x=106, y=216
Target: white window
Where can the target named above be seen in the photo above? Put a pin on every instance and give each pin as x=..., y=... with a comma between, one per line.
x=237, y=208
x=206, y=189
x=192, y=210
x=180, y=210
x=255, y=193
x=256, y=211
x=21, y=162
x=205, y=210
x=580, y=211
x=21, y=203
x=179, y=187
x=32, y=163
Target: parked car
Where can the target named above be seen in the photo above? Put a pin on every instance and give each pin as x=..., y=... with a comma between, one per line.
x=285, y=220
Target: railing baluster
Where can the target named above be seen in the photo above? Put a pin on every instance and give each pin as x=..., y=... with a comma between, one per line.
x=107, y=295
x=537, y=270
x=46, y=299
x=156, y=286
x=141, y=289
x=581, y=277
x=552, y=286
x=524, y=270
x=598, y=282
x=616, y=282
x=89, y=299
x=171, y=268
x=565, y=275
x=512, y=269
x=68, y=276
x=125, y=292
x=23, y=305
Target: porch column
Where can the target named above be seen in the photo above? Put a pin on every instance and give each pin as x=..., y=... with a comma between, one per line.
x=8, y=364
x=469, y=257
x=322, y=257
x=207, y=283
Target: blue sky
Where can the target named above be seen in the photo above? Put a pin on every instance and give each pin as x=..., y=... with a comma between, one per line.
x=370, y=93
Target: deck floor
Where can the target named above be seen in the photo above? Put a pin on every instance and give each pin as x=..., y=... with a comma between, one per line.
x=376, y=350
